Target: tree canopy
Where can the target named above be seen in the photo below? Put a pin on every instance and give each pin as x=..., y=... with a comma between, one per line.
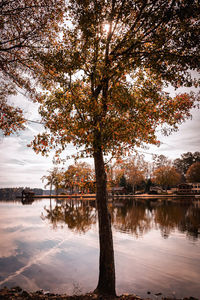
x=25, y=25
x=80, y=175
x=133, y=170
x=103, y=79
x=166, y=176
x=160, y=161
x=193, y=173
x=187, y=159
x=125, y=53
x=53, y=179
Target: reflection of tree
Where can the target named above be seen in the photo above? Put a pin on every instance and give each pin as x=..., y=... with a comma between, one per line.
x=168, y=217
x=185, y=218
x=191, y=224
x=133, y=218
x=138, y=218
x=78, y=215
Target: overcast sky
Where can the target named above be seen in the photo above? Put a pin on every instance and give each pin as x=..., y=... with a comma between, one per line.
x=20, y=166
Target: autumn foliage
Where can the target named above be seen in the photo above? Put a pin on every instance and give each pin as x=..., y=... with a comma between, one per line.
x=11, y=119
x=166, y=176
x=103, y=80
x=193, y=173
x=25, y=26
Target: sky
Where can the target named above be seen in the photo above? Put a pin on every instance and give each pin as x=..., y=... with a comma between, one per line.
x=21, y=167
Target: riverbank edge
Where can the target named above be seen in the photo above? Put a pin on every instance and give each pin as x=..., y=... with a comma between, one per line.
x=93, y=196
x=20, y=294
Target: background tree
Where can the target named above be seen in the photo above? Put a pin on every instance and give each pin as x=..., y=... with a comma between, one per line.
x=193, y=173
x=130, y=172
x=54, y=178
x=80, y=176
x=148, y=184
x=119, y=173
x=125, y=52
x=187, y=159
x=160, y=161
x=69, y=178
x=136, y=169
x=24, y=25
x=122, y=181
x=166, y=176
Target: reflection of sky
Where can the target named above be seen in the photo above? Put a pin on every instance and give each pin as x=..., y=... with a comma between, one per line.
x=35, y=256
x=157, y=265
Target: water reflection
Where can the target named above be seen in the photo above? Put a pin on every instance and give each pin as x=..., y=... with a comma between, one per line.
x=128, y=216
x=184, y=217
x=27, y=201
x=78, y=215
x=132, y=217
x=139, y=218
x=52, y=244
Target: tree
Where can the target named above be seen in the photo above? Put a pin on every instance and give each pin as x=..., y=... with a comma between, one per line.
x=193, y=173
x=54, y=178
x=148, y=184
x=24, y=26
x=118, y=173
x=80, y=175
x=160, y=160
x=122, y=181
x=110, y=66
x=187, y=159
x=130, y=172
x=166, y=176
x=136, y=169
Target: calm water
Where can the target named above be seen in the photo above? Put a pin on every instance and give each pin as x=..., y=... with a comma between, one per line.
x=53, y=246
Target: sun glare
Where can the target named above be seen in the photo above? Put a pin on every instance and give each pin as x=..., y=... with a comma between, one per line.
x=106, y=27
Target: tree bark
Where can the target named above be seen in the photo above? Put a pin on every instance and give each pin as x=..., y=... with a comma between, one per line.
x=106, y=282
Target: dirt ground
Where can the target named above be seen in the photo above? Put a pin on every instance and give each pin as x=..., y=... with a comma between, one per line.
x=19, y=294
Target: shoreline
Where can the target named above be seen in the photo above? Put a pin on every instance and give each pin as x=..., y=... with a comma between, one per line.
x=93, y=196
x=20, y=294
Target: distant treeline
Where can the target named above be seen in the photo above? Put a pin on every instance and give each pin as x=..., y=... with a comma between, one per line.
x=12, y=193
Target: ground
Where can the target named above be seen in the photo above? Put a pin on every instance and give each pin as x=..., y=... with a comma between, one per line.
x=19, y=294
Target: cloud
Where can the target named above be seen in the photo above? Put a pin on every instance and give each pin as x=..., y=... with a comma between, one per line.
x=20, y=166
x=186, y=139
x=34, y=260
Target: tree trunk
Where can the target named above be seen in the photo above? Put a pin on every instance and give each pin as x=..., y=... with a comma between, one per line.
x=106, y=283
x=50, y=189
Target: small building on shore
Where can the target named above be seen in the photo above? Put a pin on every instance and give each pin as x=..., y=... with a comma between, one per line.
x=188, y=188
x=184, y=189
x=195, y=187
x=119, y=190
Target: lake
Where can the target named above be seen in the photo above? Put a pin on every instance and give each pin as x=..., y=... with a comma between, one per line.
x=53, y=245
